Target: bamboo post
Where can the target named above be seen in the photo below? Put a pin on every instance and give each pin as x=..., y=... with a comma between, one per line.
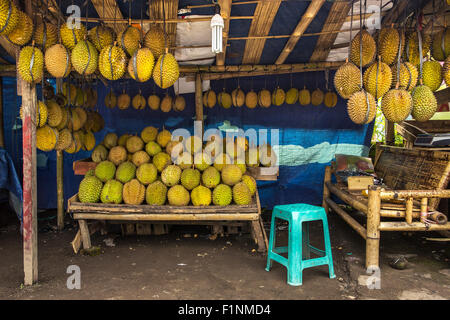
x=326, y=192
x=198, y=99
x=409, y=210
x=373, y=222
x=60, y=188
x=390, y=133
x=423, y=209
x=2, y=137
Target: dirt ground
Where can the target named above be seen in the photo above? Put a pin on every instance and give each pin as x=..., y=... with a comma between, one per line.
x=187, y=264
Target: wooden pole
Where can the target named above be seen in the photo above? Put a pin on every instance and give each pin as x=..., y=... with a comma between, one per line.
x=373, y=222
x=390, y=133
x=423, y=209
x=409, y=210
x=2, y=136
x=199, y=100
x=326, y=192
x=60, y=188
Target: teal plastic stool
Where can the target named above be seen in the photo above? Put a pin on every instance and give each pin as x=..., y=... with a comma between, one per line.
x=299, y=248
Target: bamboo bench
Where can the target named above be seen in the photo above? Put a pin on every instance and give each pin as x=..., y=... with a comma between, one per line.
x=124, y=213
x=415, y=179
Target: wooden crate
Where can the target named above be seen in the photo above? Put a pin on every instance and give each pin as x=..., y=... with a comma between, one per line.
x=81, y=167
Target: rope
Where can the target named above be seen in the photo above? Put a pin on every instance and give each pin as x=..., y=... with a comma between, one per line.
x=351, y=27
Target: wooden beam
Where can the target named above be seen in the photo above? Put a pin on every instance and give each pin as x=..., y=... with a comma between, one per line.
x=9, y=47
x=442, y=96
x=170, y=9
x=336, y=18
x=395, y=12
x=306, y=19
x=264, y=15
x=109, y=9
x=198, y=99
x=159, y=21
x=225, y=11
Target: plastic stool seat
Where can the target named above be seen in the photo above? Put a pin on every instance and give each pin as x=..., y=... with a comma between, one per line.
x=299, y=248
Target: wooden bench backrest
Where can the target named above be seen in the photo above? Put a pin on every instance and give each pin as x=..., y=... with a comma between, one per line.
x=413, y=169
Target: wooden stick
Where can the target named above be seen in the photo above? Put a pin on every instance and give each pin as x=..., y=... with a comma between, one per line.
x=326, y=192
x=415, y=226
x=76, y=242
x=409, y=210
x=373, y=222
x=85, y=235
x=199, y=100
x=423, y=209
x=404, y=194
x=167, y=217
x=60, y=188
x=347, y=218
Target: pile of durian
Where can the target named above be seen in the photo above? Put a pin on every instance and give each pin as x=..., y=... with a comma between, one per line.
x=401, y=97
x=139, y=102
x=264, y=98
x=156, y=168
x=65, y=125
x=87, y=51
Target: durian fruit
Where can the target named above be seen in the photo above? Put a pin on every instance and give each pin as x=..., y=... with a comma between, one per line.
x=292, y=96
x=110, y=140
x=110, y=100
x=201, y=196
x=250, y=182
x=264, y=98
x=84, y=57
x=304, y=97
x=90, y=189
x=156, y=193
x=146, y=173
x=105, y=171
x=112, y=192
x=432, y=74
x=411, y=52
x=75, y=121
x=396, y=105
x=231, y=174
x=117, y=155
x=166, y=71
x=408, y=76
x=140, y=66
x=330, y=99
x=41, y=114
x=224, y=100
x=31, y=64
x=98, y=121
x=440, y=48
x=65, y=139
x=71, y=36
x=251, y=99
x=125, y=172
x=388, y=44
x=152, y=148
x=92, y=97
x=241, y=194
x=202, y=161
x=70, y=92
x=88, y=141
x=46, y=138
x=424, y=103
x=45, y=35
x=377, y=79
x=347, y=80
x=77, y=143
x=179, y=103
x=211, y=177
x=65, y=119
x=369, y=48
x=222, y=195
x=80, y=97
x=171, y=175
x=446, y=71
x=209, y=99
x=100, y=153
x=149, y=134
x=112, y=62
x=193, y=144
x=361, y=107
x=134, y=144
x=166, y=103
x=317, y=97
x=54, y=114
x=139, y=102
x=123, y=101
x=278, y=96
x=238, y=97
x=184, y=160
x=23, y=32
x=163, y=138
x=101, y=36
x=9, y=17
x=154, y=101
x=133, y=192
x=178, y=196
x=154, y=40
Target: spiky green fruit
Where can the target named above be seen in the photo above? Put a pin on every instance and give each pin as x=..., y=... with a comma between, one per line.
x=201, y=196
x=105, y=170
x=231, y=174
x=90, y=189
x=171, y=175
x=125, y=172
x=156, y=193
x=178, y=196
x=211, y=177
x=190, y=178
x=241, y=194
x=222, y=195
x=112, y=192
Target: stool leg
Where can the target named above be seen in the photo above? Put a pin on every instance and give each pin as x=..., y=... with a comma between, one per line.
x=271, y=242
x=294, y=273
x=326, y=234
x=305, y=241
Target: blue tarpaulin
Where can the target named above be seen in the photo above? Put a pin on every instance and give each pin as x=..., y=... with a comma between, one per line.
x=309, y=136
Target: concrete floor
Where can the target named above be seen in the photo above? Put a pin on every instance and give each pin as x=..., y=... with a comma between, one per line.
x=187, y=264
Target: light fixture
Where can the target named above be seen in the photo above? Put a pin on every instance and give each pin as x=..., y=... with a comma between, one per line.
x=217, y=25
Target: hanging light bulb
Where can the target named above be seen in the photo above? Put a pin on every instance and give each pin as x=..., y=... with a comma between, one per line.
x=217, y=25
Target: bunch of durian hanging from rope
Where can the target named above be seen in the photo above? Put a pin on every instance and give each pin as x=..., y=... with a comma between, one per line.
x=408, y=94
x=87, y=51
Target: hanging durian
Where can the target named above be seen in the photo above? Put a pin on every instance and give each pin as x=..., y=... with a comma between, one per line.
x=389, y=44
x=71, y=35
x=9, y=17
x=140, y=66
x=129, y=39
x=23, y=32
x=31, y=64
x=396, y=105
x=84, y=58
x=57, y=61
x=154, y=40
x=264, y=98
x=45, y=35
x=330, y=99
x=361, y=107
x=224, y=99
x=446, y=71
x=46, y=138
x=304, y=97
x=317, y=97
x=179, y=104
x=251, y=99
x=166, y=71
x=209, y=99
x=154, y=101
x=278, y=96
x=166, y=103
x=369, y=48
x=139, y=102
x=432, y=74
x=408, y=75
x=238, y=97
x=378, y=79
x=424, y=103
x=292, y=96
x=123, y=101
x=101, y=37
x=411, y=52
x=440, y=49
x=112, y=62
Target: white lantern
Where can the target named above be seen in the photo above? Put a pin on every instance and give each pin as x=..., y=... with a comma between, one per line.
x=216, y=33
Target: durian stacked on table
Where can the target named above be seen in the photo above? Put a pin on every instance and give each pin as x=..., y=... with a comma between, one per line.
x=400, y=97
x=123, y=101
x=64, y=126
x=156, y=169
